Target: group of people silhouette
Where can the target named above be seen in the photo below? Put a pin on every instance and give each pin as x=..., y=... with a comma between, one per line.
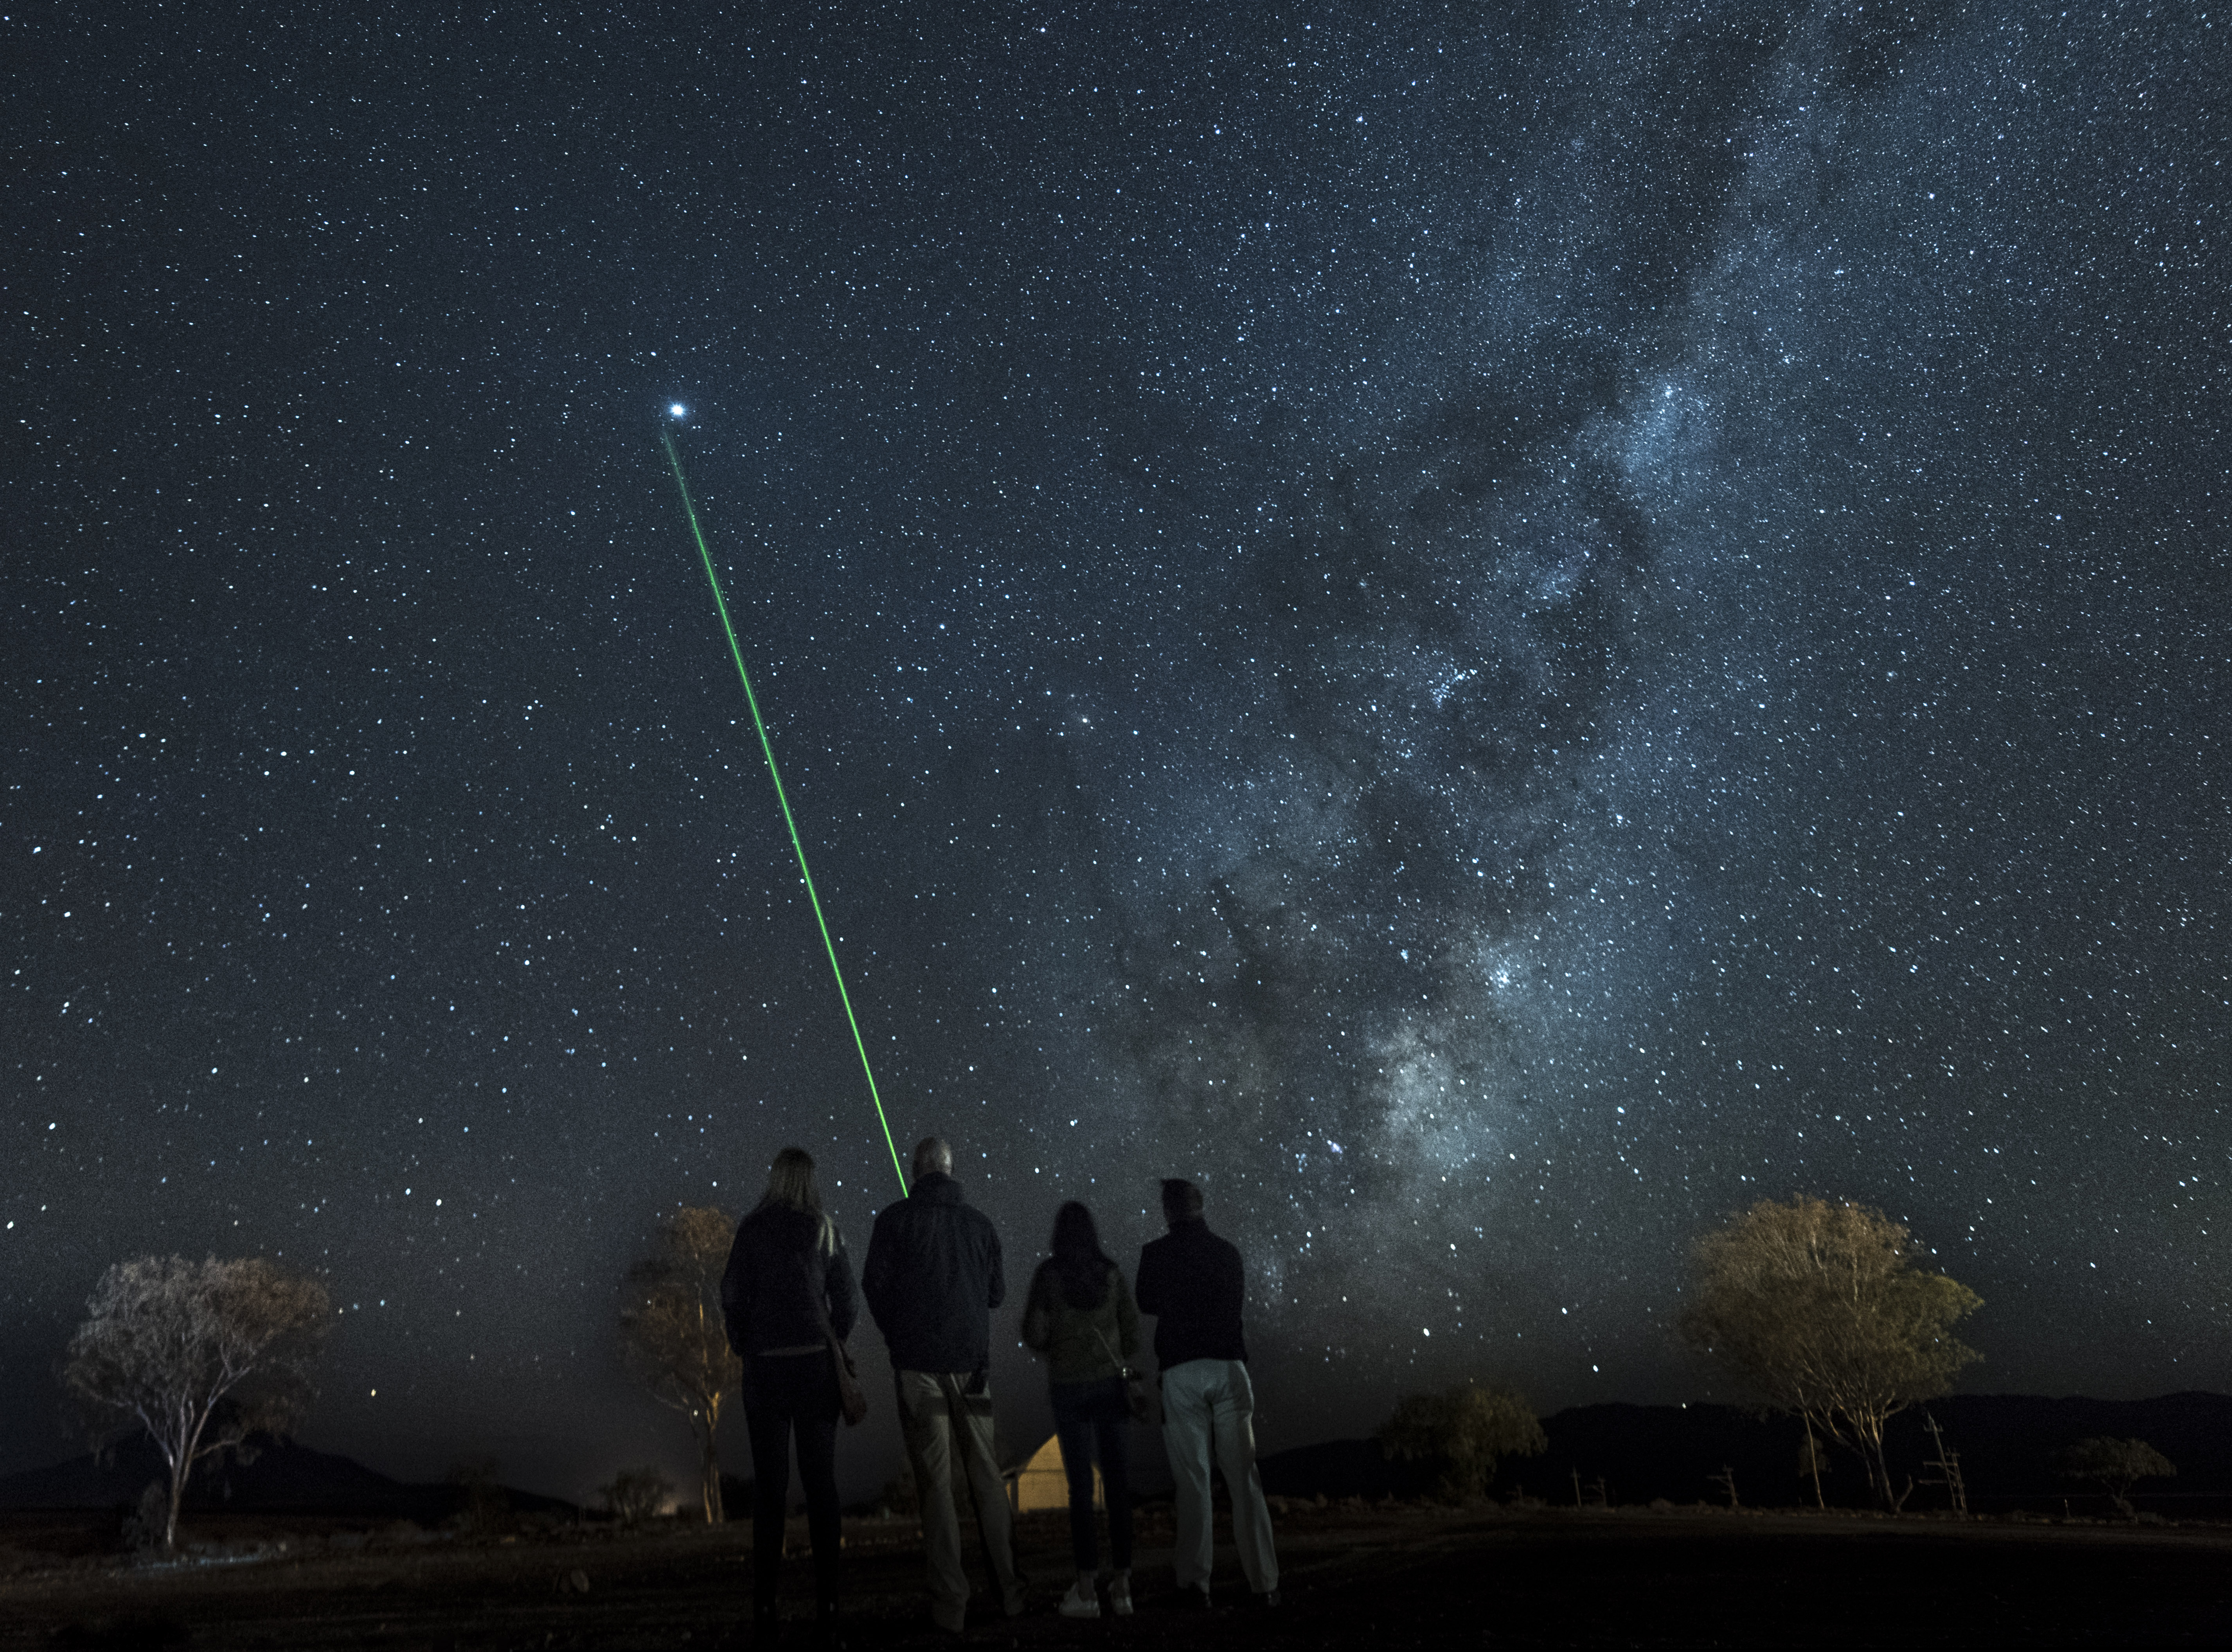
x=932, y=1277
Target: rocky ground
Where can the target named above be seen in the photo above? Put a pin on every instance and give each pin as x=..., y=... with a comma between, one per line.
x=1354, y=1577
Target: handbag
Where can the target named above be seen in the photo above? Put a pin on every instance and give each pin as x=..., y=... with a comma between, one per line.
x=1136, y=1398
x=851, y=1402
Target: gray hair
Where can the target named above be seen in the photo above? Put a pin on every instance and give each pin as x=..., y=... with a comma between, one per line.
x=932, y=1156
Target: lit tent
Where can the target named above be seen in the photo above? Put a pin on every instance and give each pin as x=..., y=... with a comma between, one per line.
x=1040, y=1483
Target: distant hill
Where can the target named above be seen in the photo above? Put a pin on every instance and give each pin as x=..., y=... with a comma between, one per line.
x=2008, y=1445
x=285, y=1477
x=1344, y=1468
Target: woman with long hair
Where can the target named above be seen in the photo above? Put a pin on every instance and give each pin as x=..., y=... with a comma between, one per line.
x=788, y=1286
x=1079, y=1315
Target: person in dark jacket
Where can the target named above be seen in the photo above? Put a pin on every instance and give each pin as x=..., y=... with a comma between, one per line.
x=787, y=1275
x=1079, y=1315
x=1192, y=1282
x=932, y=1279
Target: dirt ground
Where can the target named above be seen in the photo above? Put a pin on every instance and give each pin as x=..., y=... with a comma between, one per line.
x=1352, y=1577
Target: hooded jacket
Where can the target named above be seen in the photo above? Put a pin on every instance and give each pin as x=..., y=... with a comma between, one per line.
x=933, y=1277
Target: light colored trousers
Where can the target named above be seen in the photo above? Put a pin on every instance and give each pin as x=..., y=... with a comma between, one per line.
x=1210, y=1405
x=941, y=1419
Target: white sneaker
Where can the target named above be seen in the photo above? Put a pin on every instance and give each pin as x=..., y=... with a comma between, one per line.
x=1120, y=1596
x=1080, y=1602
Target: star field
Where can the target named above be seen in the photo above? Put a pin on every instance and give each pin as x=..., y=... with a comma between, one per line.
x=1495, y=634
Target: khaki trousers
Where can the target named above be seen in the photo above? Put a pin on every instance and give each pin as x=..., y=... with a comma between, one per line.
x=942, y=1419
x=1209, y=1405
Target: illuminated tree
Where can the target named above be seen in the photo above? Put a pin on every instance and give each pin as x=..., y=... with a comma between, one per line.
x=2114, y=1464
x=674, y=1336
x=1824, y=1311
x=1467, y=1428
x=199, y=1354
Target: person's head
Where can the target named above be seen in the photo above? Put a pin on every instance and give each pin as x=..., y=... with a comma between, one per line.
x=1078, y=1256
x=1181, y=1200
x=1075, y=1234
x=790, y=1182
x=932, y=1157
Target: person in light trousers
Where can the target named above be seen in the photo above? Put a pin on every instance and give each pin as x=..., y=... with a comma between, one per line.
x=932, y=1278
x=1193, y=1283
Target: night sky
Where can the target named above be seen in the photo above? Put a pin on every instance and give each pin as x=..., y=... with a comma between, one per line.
x=1495, y=631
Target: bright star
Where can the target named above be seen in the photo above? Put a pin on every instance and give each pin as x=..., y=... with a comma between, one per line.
x=678, y=409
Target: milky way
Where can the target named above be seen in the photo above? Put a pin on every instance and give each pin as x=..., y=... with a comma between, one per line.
x=1493, y=637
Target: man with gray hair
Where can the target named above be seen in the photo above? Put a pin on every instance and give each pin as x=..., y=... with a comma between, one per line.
x=932, y=1278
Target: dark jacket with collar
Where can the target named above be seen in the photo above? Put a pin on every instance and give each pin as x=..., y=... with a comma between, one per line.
x=1192, y=1282
x=933, y=1277
x=766, y=1289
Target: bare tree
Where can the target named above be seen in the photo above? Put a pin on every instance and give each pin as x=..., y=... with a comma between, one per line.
x=199, y=1354
x=675, y=1337
x=1947, y=1466
x=1824, y=1310
x=2114, y=1464
x=1467, y=1428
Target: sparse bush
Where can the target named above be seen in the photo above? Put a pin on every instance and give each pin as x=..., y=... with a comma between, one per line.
x=144, y=1527
x=1467, y=1429
x=637, y=1495
x=2114, y=1465
x=487, y=1506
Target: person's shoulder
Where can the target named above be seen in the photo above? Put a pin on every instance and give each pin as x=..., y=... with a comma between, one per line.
x=758, y=1221
x=886, y=1219
x=780, y=1225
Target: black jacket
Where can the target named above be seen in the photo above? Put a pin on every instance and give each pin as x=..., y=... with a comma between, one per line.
x=932, y=1279
x=765, y=1296
x=1192, y=1282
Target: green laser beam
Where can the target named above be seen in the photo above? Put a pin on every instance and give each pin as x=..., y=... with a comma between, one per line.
x=737, y=653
